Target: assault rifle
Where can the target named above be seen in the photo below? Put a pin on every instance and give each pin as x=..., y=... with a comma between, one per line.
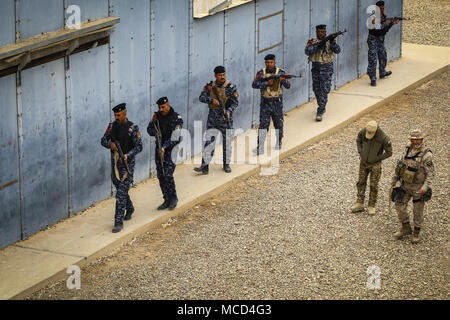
x=278, y=76
x=158, y=137
x=331, y=36
x=121, y=155
x=222, y=105
x=394, y=18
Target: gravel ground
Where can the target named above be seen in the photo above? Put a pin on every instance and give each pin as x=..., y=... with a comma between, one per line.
x=428, y=24
x=292, y=235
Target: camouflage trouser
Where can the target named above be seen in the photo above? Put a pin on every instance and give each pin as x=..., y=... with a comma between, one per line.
x=322, y=75
x=216, y=121
x=267, y=111
x=418, y=207
x=166, y=180
x=375, y=174
x=123, y=200
x=376, y=50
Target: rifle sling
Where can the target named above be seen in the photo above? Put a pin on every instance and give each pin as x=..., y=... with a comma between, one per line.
x=116, y=170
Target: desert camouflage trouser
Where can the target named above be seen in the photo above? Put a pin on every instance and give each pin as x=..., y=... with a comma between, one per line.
x=418, y=207
x=375, y=174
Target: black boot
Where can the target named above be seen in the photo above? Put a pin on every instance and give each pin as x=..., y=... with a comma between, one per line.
x=117, y=227
x=164, y=205
x=373, y=83
x=128, y=215
x=319, y=117
x=226, y=168
x=173, y=203
x=204, y=169
x=387, y=73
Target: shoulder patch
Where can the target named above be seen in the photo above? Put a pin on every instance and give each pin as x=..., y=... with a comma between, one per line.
x=236, y=94
x=138, y=135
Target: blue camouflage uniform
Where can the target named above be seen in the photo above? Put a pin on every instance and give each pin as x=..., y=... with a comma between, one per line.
x=270, y=107
x=375, y=42
x=129, y=137
x=322, y=69
x=169, y=126
x=216, y=120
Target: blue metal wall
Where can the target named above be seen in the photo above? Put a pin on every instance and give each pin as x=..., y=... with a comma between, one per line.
x=56, y=113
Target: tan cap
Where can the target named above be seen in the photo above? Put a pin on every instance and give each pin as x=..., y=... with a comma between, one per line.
x=371, y=129
x=416, y=134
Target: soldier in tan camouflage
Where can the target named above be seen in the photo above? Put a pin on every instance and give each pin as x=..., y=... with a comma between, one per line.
x=373, y=147
x=415, y=171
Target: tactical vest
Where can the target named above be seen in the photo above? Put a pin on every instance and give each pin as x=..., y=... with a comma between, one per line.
x=322, y=55
x=122, y=133
x=413, y=170
x=220, y=92
x=275, y=90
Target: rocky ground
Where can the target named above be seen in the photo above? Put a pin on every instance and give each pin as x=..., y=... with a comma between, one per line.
x=292, y=236
x=429, y=24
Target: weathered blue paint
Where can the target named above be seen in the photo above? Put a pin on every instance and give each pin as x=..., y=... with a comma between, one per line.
x=44, y=166
x=89, y=166
x=157, y=49
x=40, y=16
x=347, y=60
x=393, y=37
x=295, y=60
x=9, y=179
x=90, y=10
x=7, y=22
x=130, y=70
x=239, y=62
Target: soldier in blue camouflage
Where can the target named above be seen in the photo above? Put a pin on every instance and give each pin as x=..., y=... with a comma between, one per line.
x=375, y=42
x=127, y=136
x=321, y=54
x=223, y=90
x=271, y=105
x=166, y=127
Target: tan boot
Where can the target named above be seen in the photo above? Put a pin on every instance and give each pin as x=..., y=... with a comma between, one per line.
x=358, y=206
x=371, y=211
x=416, y=235
x=404, y=231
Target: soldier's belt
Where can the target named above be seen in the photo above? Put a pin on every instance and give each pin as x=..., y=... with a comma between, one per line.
x=272, y=100
x=214, y=107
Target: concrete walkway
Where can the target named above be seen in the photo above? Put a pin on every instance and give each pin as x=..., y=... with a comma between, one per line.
x=30, y=264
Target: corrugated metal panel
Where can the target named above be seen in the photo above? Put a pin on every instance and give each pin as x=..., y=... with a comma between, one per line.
x=44, y=166
x=347, y=60
x=393, y=39
x=40, y=16
x=169, y=58
x=90, y=10
x=206, y=46
x=269, y=32
x=9, y=186
x=130, y=70
x=296, y=62
x=7, y=23
x=88, y=116
x=238, y=62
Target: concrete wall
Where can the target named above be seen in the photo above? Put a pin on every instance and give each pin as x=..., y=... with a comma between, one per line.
x=55, y=114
